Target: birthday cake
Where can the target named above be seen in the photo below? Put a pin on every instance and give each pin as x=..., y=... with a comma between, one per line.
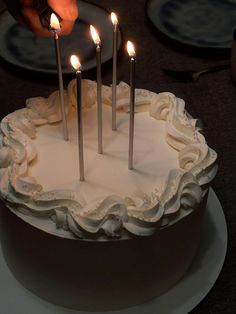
x=121, y=236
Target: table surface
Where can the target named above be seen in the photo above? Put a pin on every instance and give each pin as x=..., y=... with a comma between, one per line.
x=212, y=99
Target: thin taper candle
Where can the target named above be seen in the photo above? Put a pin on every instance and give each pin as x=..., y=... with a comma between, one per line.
x=76, y=65
x=131, y=52
x=99, y=97
x=114, y=68
x=80, y=124
x=97, y=42
x=54, y=27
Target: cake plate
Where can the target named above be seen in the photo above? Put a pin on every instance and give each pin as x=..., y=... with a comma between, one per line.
x=181, y=299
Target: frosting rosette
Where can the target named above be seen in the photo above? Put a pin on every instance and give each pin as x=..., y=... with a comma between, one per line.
x=113, y=216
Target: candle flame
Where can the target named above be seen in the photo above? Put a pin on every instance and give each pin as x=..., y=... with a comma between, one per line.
x=74, y=60
x=130, y=49
x=114, y=18
x=54, y=22
x=95, y=35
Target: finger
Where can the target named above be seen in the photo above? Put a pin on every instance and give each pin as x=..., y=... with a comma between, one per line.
x=66, y=27
x=67, y=9
x=32, y=21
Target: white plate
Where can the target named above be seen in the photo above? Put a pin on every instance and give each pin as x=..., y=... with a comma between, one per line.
x=22, y=48
x=181, y=299
x=198, y=23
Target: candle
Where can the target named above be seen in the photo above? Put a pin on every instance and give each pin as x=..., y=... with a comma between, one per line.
x=114, y=70
x=55, y=28
x=132, y=54
x=77, y=66
x=97, y=42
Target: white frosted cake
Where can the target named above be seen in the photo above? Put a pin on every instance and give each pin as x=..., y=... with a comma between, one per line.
x=120, y=230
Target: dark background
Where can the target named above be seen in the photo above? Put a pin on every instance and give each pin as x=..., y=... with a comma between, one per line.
x=212, y=99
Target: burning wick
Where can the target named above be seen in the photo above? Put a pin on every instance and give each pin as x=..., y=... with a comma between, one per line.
x=114, y=71
x=55, y=28
x=132, y=54
x=97, y=42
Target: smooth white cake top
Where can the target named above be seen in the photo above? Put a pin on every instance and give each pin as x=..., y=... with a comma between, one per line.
x=39, y=171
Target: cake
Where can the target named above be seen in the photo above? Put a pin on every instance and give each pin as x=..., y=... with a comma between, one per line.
x=121, y=237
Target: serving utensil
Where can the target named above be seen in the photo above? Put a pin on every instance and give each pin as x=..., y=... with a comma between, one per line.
x=193, y=75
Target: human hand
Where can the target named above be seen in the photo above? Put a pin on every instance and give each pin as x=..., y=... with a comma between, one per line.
x=26, y=12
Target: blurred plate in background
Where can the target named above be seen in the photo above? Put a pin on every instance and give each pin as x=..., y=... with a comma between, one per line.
x=197, y=23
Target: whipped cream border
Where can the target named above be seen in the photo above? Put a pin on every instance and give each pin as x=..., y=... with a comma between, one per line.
x=113, y=216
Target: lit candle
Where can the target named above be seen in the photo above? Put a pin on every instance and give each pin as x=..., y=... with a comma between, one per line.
x=114, y=71
x=55, y=28
x=132, y=54
x=77, y=66
x=97, y=42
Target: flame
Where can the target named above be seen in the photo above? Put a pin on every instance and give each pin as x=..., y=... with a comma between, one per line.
x=74, y=60
x=130, y=49
x=114, y=18
x=54, y=22
x=95, y=35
